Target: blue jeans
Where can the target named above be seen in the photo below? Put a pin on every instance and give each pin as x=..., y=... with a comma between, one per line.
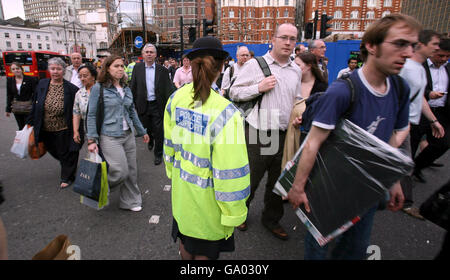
x=351, y=245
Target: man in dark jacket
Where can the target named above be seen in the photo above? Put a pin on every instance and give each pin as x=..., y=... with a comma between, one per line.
x=151, y=87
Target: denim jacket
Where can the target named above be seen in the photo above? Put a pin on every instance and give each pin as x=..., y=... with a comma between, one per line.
x=115, y=109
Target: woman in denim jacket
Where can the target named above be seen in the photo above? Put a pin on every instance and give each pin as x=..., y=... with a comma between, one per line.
x=120, y=125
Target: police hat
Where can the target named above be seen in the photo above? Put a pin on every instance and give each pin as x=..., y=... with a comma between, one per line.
x=207, y=46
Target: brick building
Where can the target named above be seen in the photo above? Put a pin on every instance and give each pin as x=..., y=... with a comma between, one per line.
x=253, y=21
x=351, y=16
x=167, y=13
x=433, y=14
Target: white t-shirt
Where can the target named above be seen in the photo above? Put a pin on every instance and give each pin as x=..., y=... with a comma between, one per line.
x=125, y=124
x=439, y=77
x=416, y=77
x=75, y=80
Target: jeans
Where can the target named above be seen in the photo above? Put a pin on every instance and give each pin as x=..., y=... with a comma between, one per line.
x=351, y=245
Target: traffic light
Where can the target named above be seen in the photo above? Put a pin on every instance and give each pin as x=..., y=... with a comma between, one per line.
x=207, y=27
x=309, y=30
x=324, y=19
x=192, y=34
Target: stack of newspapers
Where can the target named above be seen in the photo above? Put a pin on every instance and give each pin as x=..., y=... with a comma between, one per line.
x=352, y=174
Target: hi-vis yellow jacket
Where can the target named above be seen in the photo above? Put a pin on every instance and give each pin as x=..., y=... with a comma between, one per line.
x=206, y=158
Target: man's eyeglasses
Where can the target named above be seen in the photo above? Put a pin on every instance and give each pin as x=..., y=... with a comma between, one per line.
x=403, y=44
x=287, y=38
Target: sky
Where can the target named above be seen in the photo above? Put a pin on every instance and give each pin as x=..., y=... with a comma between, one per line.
x=13, y=8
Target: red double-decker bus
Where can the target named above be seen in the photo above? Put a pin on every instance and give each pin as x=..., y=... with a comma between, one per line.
x=34, y=62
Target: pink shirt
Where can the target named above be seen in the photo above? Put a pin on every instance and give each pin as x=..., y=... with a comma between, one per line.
x=182, y=76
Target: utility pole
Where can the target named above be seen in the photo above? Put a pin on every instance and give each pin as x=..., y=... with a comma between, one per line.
x=75, y=36
x=143, y=22
x=181, y=35
x=316, y=19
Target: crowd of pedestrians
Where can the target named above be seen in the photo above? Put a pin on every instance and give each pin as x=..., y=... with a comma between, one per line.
x=187, y=116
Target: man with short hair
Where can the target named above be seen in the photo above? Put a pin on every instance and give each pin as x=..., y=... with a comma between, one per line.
x=436, y=92
x=318, y=48
x=243, y=55
x=414, y=73
x=269, y=119
x=151, y=87
x=172, y=68
x=352, y=63
x=385, y=46
x=71, y=74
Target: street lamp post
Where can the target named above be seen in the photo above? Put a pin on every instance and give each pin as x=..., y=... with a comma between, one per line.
x=65, y=36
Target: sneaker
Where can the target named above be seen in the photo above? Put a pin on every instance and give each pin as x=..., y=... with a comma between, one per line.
x=136, y=209
x=413, y=212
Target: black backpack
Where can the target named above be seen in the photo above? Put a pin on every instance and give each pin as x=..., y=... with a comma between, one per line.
x=313, y=101
x=246, y=106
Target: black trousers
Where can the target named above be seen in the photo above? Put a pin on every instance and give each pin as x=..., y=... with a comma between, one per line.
x=20, y=119
x=436, y=147
x=261, y=159
x=152, y=120
x=58, y=145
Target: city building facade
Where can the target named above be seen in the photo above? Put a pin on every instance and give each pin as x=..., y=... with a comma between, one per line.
x=432, y=14
x=14, y=38
x=350, y=16
x=254, y=21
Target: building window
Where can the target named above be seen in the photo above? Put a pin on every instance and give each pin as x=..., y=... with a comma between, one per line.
x=268, y=2
x=371, y=3
x=354, y=14
x=30, y=46
x=38, y=37
x=338, y=14
x=355, y=3
x=18, y=36
x=28, y=36
x=8, y=44
x=370, y=15
x=324, y=2
x=46, y=37
x=286, y=2
x=385, y=13
x=337, y=25
x=388, y=3
x=48, y=46
x=231, y=14
x=40, y=46
x=353, y=26
x=286, y=13
x=339, y=3
x=6, y=35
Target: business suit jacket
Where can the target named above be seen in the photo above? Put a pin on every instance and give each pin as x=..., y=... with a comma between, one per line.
x=26, y=90
x=163, y=87
x=429, y=87
x=36, y=117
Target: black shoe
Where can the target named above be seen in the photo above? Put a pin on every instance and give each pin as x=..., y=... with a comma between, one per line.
x=158, y=160
x=151, y=144
x=419, y=176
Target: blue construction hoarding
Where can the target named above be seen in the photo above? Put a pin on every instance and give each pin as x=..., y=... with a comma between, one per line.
x=338, y=53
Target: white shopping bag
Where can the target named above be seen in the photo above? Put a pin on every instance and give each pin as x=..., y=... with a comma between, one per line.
x=20, y=145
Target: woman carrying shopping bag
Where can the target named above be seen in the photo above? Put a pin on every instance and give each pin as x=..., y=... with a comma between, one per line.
x=51, y=118
x=119, y=125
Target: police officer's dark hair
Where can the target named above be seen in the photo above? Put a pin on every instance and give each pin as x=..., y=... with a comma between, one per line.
x=205, y=70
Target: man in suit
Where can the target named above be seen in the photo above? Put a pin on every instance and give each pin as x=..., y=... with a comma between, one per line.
x=318, y=48
x=151, y=87
x=436, y=92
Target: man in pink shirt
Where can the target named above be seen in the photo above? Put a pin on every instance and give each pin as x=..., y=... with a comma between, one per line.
x=183, y=75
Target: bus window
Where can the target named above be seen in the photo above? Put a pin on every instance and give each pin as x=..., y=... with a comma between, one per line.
x=42, y=59
x=22, y=58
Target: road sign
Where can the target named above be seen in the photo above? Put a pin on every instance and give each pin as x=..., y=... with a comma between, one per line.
x=138, y=41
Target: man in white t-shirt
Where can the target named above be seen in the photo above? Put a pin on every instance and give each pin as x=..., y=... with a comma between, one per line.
x=414, y=73
x=71, y=74
x=352, y=64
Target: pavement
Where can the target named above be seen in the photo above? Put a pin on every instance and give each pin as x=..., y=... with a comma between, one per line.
x=36, y=210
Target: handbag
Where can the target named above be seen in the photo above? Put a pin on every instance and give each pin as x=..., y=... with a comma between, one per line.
x=92, y=181
x=21, y=107
x=57, y=249
x=436, y=208
x=35, y=151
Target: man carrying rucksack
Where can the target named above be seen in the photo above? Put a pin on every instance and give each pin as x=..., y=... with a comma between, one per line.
x=230, y=74
x=267, y=121
x=380, y=108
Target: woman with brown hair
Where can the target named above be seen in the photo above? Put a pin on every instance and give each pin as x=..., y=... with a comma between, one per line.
x=118, y=124
x=206, y=159
x=312, y=77
x=19, y=89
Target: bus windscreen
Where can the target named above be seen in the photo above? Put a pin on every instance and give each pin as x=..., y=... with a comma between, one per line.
x=22, y=58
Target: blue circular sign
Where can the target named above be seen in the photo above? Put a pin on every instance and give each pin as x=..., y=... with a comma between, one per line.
x=138, y=42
